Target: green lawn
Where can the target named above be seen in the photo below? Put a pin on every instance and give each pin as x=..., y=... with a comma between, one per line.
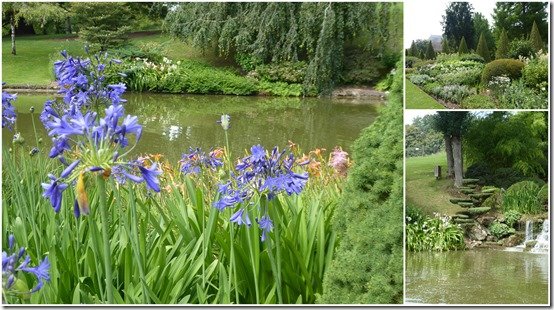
x=423, y=190
x=36, y=54
x=418, y=99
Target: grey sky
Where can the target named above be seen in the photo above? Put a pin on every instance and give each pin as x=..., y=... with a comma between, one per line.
x=423, y=18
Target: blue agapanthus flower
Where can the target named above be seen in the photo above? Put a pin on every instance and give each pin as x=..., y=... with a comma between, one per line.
x=196, y=159
x=85, y=139
x=8, y=110
x=260, y=173
x=11, y=265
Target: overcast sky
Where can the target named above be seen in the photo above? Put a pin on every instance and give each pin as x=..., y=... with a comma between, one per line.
x=423, y=18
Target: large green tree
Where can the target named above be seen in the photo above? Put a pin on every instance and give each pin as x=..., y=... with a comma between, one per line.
x=453, y=125
x=316, y=32
x=517, y=18
x=457, y=23
x=31, y=12
x=421, y=138
x=102, y=24
x=367, y=264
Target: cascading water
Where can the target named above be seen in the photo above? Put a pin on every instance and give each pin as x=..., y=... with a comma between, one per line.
x=528, y=231
x=543, y=239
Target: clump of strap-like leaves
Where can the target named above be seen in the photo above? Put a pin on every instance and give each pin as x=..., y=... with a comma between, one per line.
x=257, y=33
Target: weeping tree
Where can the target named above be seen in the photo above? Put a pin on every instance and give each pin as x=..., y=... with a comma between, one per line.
x=453, y=125
x=264, y=32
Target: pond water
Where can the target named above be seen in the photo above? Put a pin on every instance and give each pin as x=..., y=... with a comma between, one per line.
x=477, y=277
x=173, y=123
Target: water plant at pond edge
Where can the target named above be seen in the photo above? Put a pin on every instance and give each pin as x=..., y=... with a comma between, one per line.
x=172, y=247
x=435, y=233
x=99, y=143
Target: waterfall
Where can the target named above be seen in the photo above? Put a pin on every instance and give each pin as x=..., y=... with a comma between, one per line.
x=528, y=231
x=543, y=239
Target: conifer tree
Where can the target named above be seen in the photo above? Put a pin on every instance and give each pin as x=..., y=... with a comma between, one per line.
x=502, y=49
x=483, y=49
x=430, y=52
x=535, y=38
x=445, y=48
x=463, y=47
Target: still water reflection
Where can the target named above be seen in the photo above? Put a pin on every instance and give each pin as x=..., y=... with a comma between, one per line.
x=477, y=277
x=173, y=123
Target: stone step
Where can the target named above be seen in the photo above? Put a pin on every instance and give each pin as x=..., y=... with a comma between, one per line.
x=480, y=195
x=458, y=200
x=460, y=216
x=469, y=181
x=463, y=221
x=466, y=204
x=467, y=191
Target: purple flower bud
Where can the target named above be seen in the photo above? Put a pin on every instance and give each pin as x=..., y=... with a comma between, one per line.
x=11, y=240
x=67, y=171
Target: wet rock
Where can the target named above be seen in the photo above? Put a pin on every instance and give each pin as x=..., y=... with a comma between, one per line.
x=530, y=244
x=491, y=238
x=478, y=232
x=486, y=220
x=470, y=244
x=512, y=240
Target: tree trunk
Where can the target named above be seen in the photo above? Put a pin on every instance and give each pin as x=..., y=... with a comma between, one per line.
x=12, y=25
x=458, y=161
x=68, y=25
x=449, y=157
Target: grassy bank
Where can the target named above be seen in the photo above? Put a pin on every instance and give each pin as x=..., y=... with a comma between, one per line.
x=36, y=54
x=418, y=99
x=423, y=190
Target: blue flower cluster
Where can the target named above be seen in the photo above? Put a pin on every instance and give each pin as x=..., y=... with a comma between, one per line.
x=83, y=83
x=11, y=265
x=8, y=110
x=97, y=143
x=196, y=159
x=264, y=174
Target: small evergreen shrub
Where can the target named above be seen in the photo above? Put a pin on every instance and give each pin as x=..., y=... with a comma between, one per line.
x=500, y=230
x=508, y=67
x=367, y=266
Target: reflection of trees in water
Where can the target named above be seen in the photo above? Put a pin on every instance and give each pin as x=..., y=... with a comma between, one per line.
x=173, y=123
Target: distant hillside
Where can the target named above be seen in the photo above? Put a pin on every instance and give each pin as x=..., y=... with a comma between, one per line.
x=436, y=40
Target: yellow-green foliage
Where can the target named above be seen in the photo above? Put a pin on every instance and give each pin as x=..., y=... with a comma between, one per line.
x=367, y=265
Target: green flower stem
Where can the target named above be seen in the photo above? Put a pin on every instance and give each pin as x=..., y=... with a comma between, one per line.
x=105, y=239
x=253, y=262
x=276, y=269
